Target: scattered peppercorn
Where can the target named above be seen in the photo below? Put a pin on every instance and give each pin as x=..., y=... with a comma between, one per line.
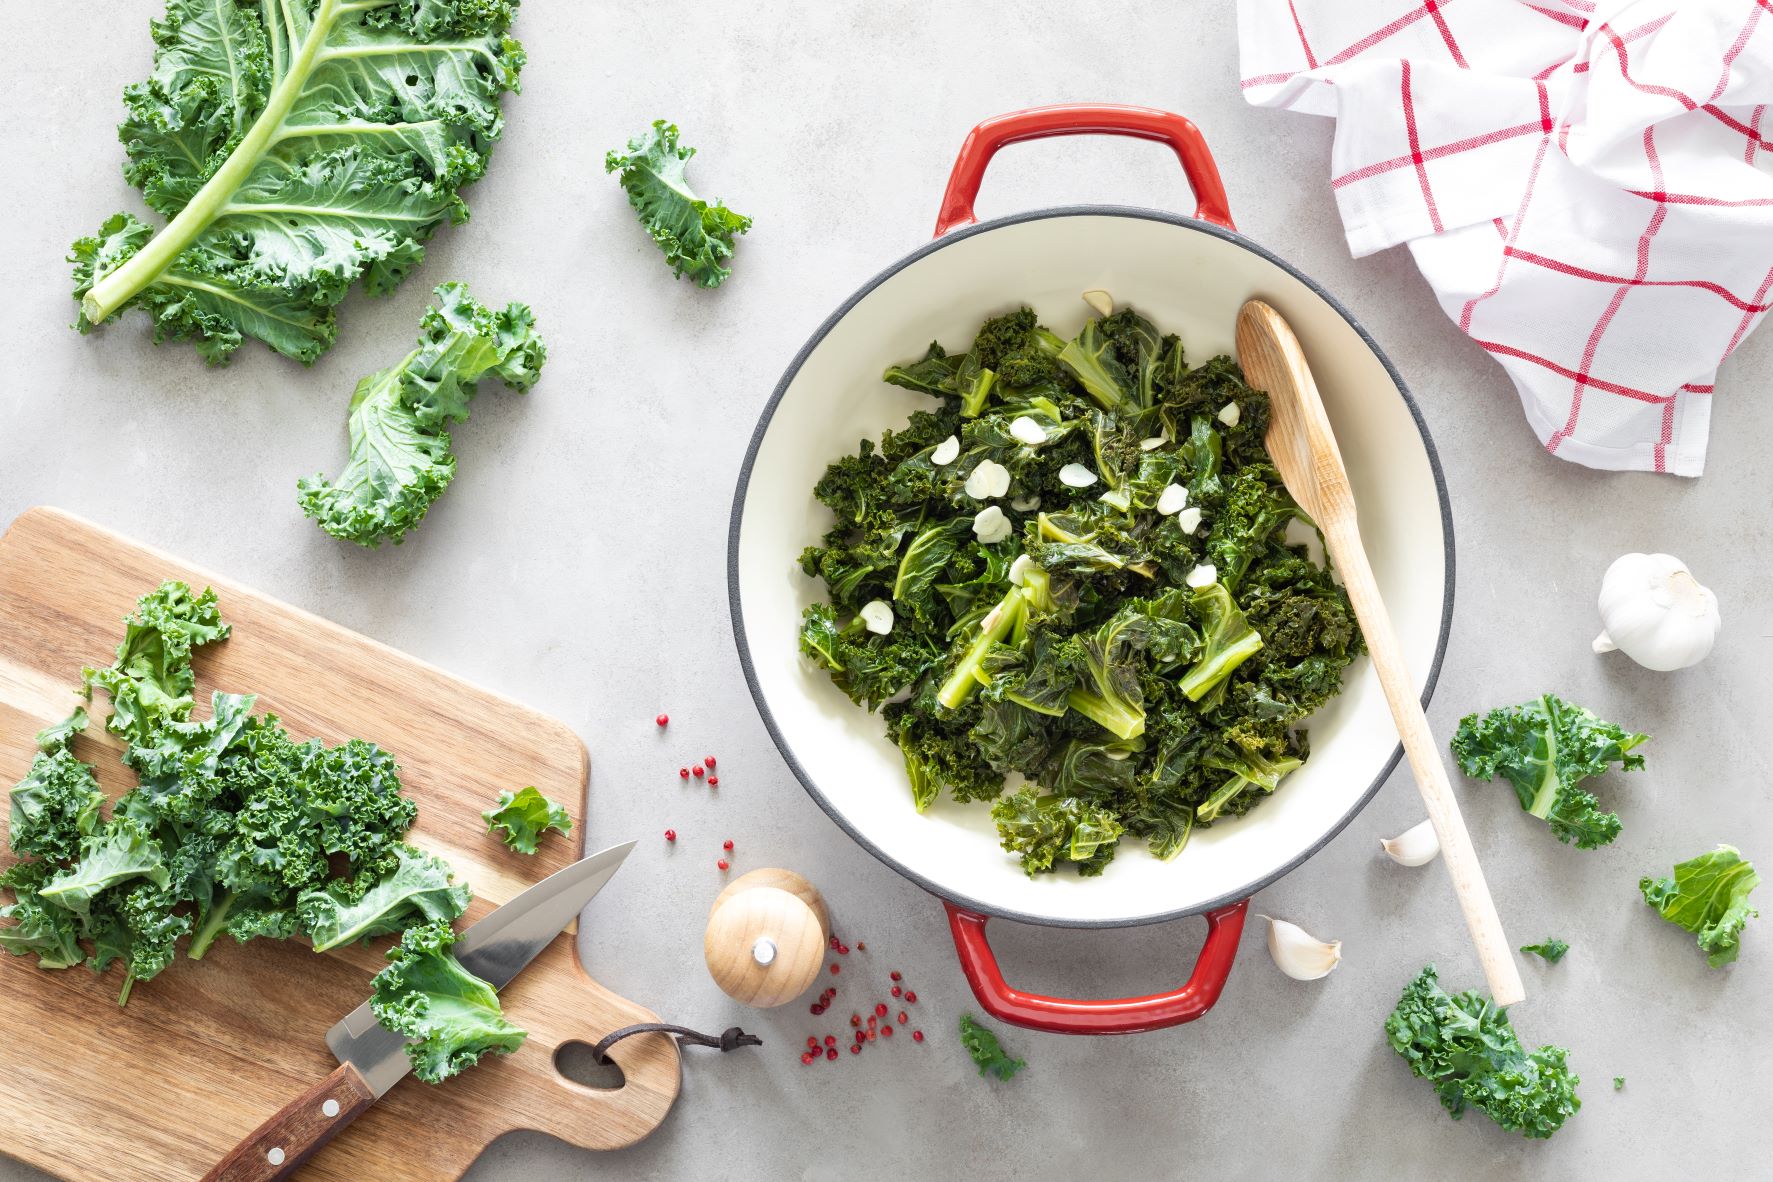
x=843, y=950
x=707, y=761
x=727, y=845
x=806, y=1057
x=910, y=997
x=917, y=1036
x=880, y=1009
x=670, y=835
x=818, y=1007
x=831, y=1040
x=898, y=991
x=903, y=1017
x=723, y=864
x=886, y=1032
x=833, y=941
x=662, y=719
x=855, y=1019
x=697, y=772
x=713, y=781
x=856, y=1049
x=895, y=975
x=831, y=1053
x=812, y=1040
x=835, y=970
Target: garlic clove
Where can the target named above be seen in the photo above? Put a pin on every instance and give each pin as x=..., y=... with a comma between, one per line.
x=877, y=616
x=1415, y=846
x=1099, y=301
x=1298, y=953
x=945, y=452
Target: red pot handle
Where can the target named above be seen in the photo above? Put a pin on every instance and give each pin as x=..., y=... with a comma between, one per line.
x=1037, y=123
x=1122, y=1015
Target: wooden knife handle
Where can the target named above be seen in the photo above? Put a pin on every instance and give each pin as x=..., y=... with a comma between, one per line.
x=279, y=1146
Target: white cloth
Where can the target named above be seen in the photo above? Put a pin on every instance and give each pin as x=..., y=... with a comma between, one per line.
x=1584, y=184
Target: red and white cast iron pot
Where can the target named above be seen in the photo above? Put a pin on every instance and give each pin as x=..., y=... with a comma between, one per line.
x=1189, y=275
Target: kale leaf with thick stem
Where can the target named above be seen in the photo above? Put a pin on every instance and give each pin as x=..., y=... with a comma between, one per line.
x=296, y=149
x=449, y=1016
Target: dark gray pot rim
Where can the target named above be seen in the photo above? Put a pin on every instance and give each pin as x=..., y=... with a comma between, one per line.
x=769, y=411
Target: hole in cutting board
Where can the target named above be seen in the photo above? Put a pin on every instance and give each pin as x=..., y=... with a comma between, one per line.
x=575, y=1061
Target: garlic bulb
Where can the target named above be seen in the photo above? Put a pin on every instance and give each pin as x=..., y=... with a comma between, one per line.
x=1415, y=846
x=1655, y=612
x=1298, y=953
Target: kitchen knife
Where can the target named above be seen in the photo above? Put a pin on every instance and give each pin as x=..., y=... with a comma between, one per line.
x=373, y=1059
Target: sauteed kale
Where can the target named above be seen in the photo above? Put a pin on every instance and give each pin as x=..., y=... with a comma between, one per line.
x=1075, y=568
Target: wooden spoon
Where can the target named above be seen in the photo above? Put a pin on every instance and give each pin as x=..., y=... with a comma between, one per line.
x=1304, y=450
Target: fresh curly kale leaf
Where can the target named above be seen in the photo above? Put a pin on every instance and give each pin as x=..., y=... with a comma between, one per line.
x=1545, y=748
x=54, y=808
x=1464, y=1045
x=296, y=148
x=45, y=930
x=1708, y=896
x=696, y=235
x=1550, y=950
x=151, y=681
x=415, y=891
x=57, y=737
x=401, y=460
x=985, y=1050
x=525, y=816
x=450, y=1016
x=119, y=852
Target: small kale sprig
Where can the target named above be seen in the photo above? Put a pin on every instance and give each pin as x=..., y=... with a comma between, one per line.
x=525, y=816
x=401, y=460
x=696, y=235
x=449, y=1016
x=1464, y=1045
x=1550, y=950
x=1708, y=896
x=1546, y=748
x=983, y=1046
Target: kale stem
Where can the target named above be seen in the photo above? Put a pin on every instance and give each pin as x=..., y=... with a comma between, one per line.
x=964, y=680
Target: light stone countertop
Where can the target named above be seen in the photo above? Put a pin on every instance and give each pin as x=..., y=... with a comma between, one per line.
x=579, y=565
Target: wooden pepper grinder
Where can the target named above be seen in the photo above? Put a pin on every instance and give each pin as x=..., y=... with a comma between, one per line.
x=766, y=937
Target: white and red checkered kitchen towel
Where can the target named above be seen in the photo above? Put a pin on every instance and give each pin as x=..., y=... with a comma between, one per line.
x=1584, y=183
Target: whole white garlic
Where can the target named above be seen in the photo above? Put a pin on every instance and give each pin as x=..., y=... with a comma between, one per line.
x=1298, y=953
x=1655, y=612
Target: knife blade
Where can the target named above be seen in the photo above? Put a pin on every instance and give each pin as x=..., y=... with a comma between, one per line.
x=372, y=1059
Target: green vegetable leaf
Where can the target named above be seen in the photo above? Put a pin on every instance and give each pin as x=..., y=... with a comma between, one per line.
x=62, y=733
x=296, y=149
x=1708, y=896
x=1618, y=1083
x=1227, y=637
x=120, y=852
x=1545, y=748
x=1551, y=949
x=54, y=808
x=1464, y=1045
x=415, y=891
x=450, y=1017
x=401, y=459
x=525, y=816
x=1046, y=830
x=696, y=235
x=42, y=929
x=151, y=682
x=985, y=1050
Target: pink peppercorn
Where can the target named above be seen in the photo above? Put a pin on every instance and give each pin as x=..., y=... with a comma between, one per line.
x=707, y=761
x=831, y=1053
x=713, y=781
x=880, y=1009
x=886, y=1032
x=910, y=997
x=898, y=991
x=917, y=1036
x=662, y=719
x=697, y=772
x=856, y=1049
x=895, y=975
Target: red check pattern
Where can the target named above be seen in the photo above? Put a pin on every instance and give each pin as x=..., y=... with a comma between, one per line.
x=1584, y=183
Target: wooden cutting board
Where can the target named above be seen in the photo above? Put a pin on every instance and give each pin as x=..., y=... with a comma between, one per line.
x=205, y=1051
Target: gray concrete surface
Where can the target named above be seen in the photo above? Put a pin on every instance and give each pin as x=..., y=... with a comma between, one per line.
x=578, y=565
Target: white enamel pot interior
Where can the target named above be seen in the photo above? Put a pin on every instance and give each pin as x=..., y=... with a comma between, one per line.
x=1190, y=278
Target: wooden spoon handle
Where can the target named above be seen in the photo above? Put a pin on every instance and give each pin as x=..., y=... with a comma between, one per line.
x=1342, y=539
